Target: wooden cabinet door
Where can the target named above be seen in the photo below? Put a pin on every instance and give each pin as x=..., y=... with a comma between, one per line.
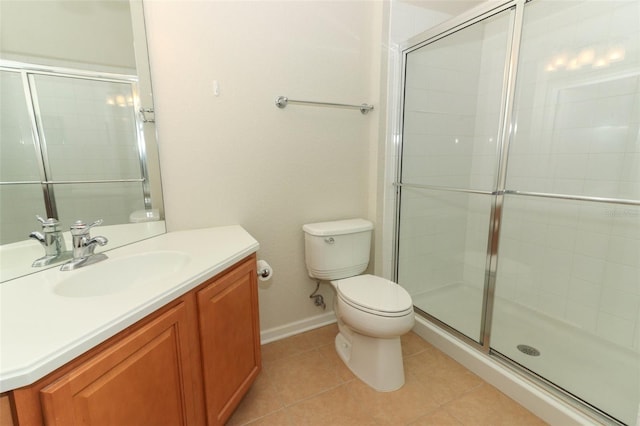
x=6, y=418
x=144, y=379
x=229, y=339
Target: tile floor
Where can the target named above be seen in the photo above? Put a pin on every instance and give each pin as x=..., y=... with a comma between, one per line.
x=303, y=382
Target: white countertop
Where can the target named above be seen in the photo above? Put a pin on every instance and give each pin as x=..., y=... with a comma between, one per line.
x=41, y=331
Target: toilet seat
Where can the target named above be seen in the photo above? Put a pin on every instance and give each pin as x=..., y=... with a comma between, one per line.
x=374, y=295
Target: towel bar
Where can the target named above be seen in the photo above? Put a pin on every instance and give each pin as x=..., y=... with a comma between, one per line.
x=282, y=101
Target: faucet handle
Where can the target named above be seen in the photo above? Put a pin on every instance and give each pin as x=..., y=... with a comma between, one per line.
x=96, y=223
x=79, y=227
x=48, y=225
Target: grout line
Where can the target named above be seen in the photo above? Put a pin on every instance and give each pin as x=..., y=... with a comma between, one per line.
x=262, y=417
x=334, y=368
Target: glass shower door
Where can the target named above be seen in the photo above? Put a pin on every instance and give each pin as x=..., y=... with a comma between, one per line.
x=21, y=193
x=93, y=152
x=452, y=103
x=567, y=300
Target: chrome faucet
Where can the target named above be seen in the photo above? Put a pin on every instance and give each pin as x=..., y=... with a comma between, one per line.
x=52, y=240
x=84, y=245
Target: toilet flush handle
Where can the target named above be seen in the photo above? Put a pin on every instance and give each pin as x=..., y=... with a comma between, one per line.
x=329, y=240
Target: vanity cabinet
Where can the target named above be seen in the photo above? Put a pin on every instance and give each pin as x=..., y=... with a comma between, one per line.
x=6, y=418
x=230, y=340
x=147, y=377
x=189, y=363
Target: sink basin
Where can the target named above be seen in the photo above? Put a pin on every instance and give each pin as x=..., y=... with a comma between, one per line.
x=115, y=275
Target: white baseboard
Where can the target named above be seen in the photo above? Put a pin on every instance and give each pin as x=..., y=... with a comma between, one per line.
x=546, y=406
x=297, y=327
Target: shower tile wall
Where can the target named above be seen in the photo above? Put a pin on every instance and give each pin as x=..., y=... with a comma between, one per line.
x=90, y=134
x=577, y=262
x=89, y=128
x=450, y=140
x=578, y=104
x=17, y=161
x=577, y=115
x=406, y=21
x=437, y=150
x=440, y=112
x=485, y=150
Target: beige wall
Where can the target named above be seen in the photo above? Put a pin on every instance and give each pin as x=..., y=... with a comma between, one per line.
x=79, y=34
x=236, y=158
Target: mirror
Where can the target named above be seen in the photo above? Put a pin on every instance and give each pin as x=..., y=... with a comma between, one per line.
x=77, y=133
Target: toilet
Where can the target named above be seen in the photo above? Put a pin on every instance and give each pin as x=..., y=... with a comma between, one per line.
x=372, y=312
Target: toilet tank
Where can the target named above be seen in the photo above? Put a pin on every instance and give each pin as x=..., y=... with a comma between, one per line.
x=338, y=249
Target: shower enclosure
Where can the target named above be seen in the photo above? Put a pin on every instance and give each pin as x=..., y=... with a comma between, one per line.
x=518, y=220
x=71, y=146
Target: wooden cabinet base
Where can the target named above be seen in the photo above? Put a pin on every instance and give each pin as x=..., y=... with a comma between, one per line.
x=6, y=417
x=229, y=339
x=189, y=363
x=146, y=378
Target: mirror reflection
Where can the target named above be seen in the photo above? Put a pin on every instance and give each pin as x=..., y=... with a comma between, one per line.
x=77, y=139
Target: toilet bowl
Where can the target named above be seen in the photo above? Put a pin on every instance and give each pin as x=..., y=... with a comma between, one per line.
x=374, y=306
x=370, y=329
x=372, y=312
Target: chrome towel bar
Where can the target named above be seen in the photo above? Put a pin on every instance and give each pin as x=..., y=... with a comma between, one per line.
x=282, y=101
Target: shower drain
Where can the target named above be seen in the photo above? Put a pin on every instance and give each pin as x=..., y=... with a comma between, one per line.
x=528, y=350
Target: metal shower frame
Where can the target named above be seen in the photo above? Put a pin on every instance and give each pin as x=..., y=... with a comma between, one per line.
x=28, y=73
x=439, y=32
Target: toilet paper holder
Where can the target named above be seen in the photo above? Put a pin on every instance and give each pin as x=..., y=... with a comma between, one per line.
x=264, y=270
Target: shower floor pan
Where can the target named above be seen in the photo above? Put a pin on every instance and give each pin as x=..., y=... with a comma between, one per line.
x=602, y=373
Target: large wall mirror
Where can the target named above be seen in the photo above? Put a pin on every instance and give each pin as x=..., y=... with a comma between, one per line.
x=77, y=133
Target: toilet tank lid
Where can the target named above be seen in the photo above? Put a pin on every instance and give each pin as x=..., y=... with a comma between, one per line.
x=338, y=227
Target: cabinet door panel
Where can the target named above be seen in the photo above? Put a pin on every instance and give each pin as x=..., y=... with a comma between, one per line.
x=230, y=339
x=143, y=379
x=6, y=417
